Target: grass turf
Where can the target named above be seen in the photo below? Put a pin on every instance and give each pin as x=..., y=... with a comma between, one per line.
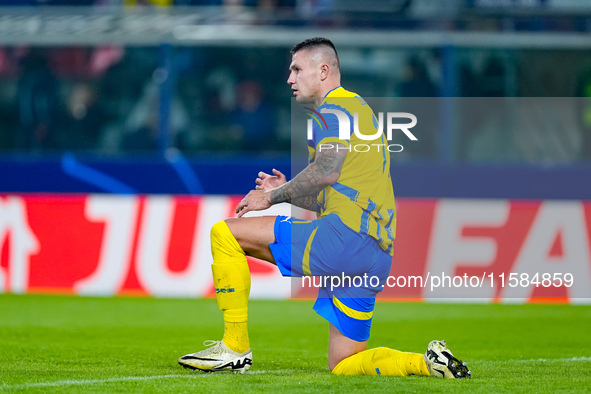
x=79, y=344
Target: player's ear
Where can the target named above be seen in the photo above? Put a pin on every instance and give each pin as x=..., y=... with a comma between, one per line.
x=324, y=71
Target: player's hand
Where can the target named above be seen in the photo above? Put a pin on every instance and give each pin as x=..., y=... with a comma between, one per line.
x=269, y=182
x=255, y=200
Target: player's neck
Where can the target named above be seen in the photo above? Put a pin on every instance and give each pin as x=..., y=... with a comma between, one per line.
x=326, y=90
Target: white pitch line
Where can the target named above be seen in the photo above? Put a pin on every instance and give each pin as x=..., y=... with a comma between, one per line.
x=75, y=382
x=93, y=381
x=200, y=375
x=534, y=360
x=278, y=371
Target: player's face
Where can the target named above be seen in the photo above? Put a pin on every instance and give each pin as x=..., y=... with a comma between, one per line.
x=304, y=77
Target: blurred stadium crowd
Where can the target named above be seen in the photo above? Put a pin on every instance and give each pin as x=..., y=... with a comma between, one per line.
x=117, y=99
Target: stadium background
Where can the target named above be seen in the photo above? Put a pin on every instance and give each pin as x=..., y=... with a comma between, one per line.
x=127, y=128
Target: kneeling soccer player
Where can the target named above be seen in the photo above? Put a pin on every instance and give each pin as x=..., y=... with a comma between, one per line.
x=351, y=192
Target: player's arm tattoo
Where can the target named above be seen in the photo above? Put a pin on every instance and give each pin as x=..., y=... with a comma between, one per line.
x=307, y=202
x=324, y=171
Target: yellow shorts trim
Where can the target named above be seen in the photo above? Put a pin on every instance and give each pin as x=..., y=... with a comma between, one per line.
x=351, y=312
x=306, y=261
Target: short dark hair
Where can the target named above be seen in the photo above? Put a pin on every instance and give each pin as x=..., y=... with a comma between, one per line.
x=315, y=42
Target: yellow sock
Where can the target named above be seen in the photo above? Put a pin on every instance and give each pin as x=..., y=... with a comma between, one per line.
x=231, y=278
x=236, y=329
x=383, y=361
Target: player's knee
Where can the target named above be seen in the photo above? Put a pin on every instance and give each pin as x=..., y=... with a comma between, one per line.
x=335, y=359
x=218, y=231
x=333, y=362
x=331, y=366
x=223, y=242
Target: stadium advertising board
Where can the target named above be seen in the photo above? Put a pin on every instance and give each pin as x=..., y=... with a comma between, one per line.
x=491, y=250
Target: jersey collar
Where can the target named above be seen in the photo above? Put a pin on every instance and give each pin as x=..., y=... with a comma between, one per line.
x=332, y=92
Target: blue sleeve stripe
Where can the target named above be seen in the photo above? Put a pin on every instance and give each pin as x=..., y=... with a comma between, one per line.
x=391, y=213
x=336, y=106
x=365, y=217
x=364, y=222
x=346, y=190
x=332, y=120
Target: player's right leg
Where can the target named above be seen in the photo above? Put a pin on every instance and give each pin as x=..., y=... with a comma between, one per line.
x=349, y=308
x=349, y=357
x=231, y=241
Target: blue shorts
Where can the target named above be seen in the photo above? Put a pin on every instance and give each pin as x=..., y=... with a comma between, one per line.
x=351, y=266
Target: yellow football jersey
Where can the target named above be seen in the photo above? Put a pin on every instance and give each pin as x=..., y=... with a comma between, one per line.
x=363, y=196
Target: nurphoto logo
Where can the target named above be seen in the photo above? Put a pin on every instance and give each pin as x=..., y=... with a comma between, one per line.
x=345, y=129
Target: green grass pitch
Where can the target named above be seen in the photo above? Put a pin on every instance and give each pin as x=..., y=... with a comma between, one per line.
x=79, y=344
